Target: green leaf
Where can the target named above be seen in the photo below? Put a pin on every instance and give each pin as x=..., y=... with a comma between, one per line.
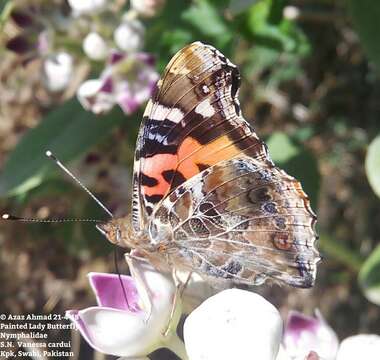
x=372, y=165
x=264, y=24
x=365, y=15
x=208, y=21
x=238, y=6
x=5, y=9
x=369, y=277
x=68, y=132
x=281, y=148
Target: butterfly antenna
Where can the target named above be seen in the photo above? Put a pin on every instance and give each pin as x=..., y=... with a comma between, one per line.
x=33, y=220
x=50, y=155
x=120, y=279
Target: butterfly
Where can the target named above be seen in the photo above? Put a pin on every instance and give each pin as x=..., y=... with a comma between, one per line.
x=206, y=195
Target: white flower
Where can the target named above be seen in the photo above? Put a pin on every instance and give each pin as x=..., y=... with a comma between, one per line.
x=147, y=8
x=234, y=324
x=57, y=71
x=304, y=334
x=282, y=354
x=129, y=35
x=366, y=347
x=131, y=324
x=94, y=96
x=127, y=81
x=81, y=7
x=95, y=47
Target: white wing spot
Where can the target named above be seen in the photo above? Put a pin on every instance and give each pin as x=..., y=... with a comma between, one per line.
x=205, y=89
x=162, y=112
x=205, y=108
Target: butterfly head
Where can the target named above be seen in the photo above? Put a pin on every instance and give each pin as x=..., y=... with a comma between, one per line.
x=119, y=232
x=116, y=231
x=111, y=231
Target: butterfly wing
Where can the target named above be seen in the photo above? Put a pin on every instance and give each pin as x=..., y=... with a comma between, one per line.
x=240, y=220
x=192, y=123
x=205, y=189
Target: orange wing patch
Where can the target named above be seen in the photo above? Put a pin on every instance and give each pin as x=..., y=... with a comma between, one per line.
x=191, y=158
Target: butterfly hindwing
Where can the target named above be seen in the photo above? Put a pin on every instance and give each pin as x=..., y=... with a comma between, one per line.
x=243, y=221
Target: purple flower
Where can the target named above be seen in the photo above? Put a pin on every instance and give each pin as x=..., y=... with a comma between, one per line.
x=128, y=80
x=305, y=334
x=133, y=323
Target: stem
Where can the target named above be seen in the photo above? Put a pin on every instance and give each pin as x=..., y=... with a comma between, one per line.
x=176, y=345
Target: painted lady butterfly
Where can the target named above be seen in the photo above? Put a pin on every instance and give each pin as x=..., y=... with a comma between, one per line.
x=206, y=195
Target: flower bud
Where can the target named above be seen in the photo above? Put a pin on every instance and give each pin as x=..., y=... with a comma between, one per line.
x=57, y=71
x=129, y=36
x=95, y=47
x=359, y=347
x=234, y=324
x=19, y=44
x=22, y=18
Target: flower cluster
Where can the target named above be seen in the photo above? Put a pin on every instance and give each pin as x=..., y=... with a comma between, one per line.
x=137, y=318
x=100, y=34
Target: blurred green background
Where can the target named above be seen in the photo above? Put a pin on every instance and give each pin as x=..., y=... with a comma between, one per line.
x=310, y=87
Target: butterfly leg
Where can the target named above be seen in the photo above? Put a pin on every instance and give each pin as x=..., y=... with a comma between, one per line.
x=180, y=287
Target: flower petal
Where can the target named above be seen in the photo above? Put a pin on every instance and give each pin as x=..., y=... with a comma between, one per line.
x=234, y=324
x=359, y=347
x=92, y=98
x=112, y=329
x=115, y=57
x=115, y=332
x=110, y=293
x=156, y=290
x=127, y=103
x=312, y=356
x=305, y=333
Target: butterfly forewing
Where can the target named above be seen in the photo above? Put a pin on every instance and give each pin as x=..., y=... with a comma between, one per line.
x=192, y=122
